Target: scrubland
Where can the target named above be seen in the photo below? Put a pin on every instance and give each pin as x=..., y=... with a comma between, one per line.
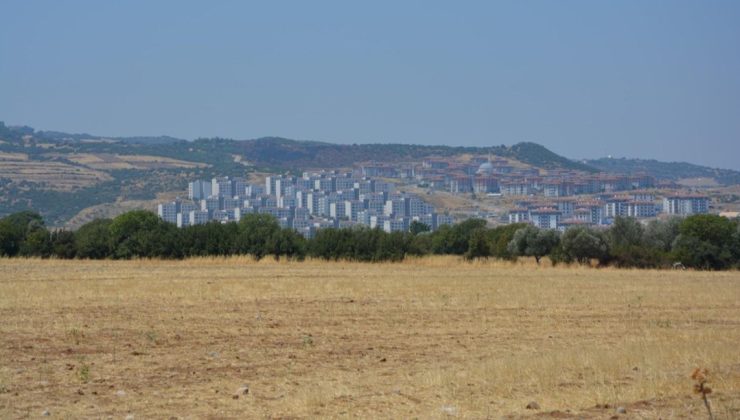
x=427, y=338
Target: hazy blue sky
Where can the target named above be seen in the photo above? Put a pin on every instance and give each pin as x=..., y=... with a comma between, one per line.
x=655, y=79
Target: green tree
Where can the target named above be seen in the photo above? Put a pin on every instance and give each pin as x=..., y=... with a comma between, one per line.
x=255, y=233
x=420, y=244
x=707, y=241
x=660, y=234
x=14, y=228
x=500, y=237
x=455, y=239
x=37, y=242
x=631, y=246
x=390, y=247
x=288, y=243
x=583, y=244
x=625, y=232
x=92, y=240
x=416, y=227
x=478, y=245
x=141, y=233
x=63, y=244
x=533, y=242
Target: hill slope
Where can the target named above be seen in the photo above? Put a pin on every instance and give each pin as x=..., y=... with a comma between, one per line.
x=89, y=170
x=665, y=170
x=280, y=152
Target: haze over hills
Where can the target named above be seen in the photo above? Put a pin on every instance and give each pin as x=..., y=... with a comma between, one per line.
x=289, y=154
x=59, y=174
x=664, y=170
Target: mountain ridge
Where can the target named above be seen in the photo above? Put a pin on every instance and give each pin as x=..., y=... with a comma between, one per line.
x=278, y=151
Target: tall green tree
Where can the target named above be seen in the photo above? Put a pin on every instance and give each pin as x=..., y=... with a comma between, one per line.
x=582, y=244
x=630, y=245
x=500, y=237
x=256, y=231
x=533, y=242
x=707, y=241
x=37, y=242
x=660, y=234
x=625, y=232
x=287, y=243
x=478, y=245
x=15, y=228
x=455, y=239
x=141, y=233
x=416, y=227
x=92, y=240
x=63, y=244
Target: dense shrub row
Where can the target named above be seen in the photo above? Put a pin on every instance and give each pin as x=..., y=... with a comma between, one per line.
x=702, y=241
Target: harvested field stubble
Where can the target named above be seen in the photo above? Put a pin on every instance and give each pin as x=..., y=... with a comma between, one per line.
x=433, y=337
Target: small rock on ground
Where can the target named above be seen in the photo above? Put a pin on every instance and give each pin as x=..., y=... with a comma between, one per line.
x=533, y=405
x=621, y=410
x=449, y=410
x=46, y=413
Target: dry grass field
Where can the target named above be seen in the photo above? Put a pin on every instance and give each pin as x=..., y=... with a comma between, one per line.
x=427, y=338
x=51, y=175
x=107, y=161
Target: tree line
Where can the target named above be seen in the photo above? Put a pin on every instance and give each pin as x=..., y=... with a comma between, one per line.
x=701, y=241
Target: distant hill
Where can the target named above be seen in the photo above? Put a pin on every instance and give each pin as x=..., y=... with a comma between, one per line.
x=276, y=152
x=285, y=153
x=541, y=157
x=57, y=136
x=665, y=170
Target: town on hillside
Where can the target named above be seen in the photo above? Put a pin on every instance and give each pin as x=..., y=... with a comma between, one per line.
x=552, y=199
x=368, y=195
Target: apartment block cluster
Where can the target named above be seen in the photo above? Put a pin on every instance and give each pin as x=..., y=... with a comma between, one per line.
x=552, y=199
x=307, y=203
x=496, y=175
x=602, y=209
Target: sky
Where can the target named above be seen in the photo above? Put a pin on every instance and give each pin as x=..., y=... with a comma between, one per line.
x=648, y=78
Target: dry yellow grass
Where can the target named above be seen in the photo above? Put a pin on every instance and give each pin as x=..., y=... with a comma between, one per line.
x=107, y=161
x=52, y=175
x=425, y=338
x=13, y=156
